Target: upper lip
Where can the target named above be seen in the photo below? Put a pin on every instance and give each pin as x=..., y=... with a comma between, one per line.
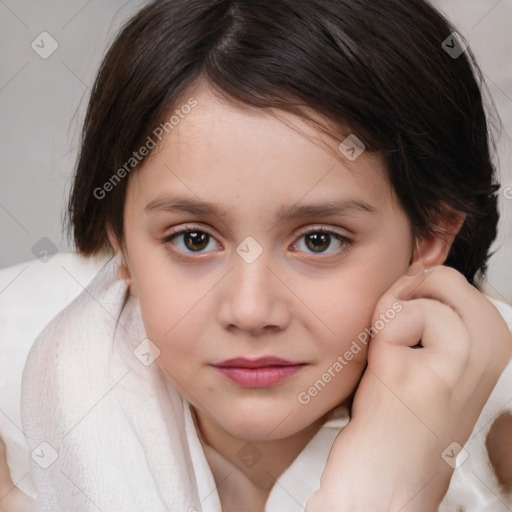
x=243, y=362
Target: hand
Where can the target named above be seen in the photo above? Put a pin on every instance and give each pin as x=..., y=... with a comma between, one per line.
x=430, y=372
x=11, y=498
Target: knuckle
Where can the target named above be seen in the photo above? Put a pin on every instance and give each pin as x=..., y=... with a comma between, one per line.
x=451, y=274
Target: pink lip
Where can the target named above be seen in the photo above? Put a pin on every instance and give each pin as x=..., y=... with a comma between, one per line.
x=258, y=373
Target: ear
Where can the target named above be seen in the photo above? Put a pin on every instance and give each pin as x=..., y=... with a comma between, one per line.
x=433, y=250
x=124, y=269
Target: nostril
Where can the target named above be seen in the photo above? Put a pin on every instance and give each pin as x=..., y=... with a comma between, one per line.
x=268, y=329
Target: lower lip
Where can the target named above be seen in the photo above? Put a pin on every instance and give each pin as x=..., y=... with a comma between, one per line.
x=259, y=377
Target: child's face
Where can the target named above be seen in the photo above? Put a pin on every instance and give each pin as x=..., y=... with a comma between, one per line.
x=209, y=298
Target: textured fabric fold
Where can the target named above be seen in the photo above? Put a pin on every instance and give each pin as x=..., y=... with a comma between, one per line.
x=104, y=431
x=107, y=431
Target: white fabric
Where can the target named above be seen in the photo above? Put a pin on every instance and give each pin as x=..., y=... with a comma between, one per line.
x=31, y=294
x=116, y=427
x=473, y=487
x=125, y=437
x=293, y=488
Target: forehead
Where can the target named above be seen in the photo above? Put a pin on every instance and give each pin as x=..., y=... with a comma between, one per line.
x=227, y=154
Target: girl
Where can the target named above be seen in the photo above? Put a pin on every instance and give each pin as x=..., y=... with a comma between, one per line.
x=299, y=200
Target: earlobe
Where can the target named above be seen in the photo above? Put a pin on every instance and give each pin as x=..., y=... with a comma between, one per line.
x=433, y=250
x=123, y=268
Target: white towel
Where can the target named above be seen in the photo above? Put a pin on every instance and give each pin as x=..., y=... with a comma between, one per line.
x=106, y=429
x=114, y=425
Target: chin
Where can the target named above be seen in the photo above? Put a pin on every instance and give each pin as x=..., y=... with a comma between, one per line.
x=265, y=424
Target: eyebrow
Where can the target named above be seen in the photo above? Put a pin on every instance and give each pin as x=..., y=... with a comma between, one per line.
x=324, y=209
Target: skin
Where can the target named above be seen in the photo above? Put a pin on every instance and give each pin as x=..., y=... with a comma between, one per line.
x=499, y=447
x=290, y=303
x=415, y=408
x=11, y=498
x=203, y=307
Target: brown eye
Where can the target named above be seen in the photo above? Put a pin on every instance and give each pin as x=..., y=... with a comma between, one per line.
x=196, y=240
x=190, y=241
x=320, y=242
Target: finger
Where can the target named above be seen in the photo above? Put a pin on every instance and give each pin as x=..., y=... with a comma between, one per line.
x=411, y=323
x=401, y=288
x=427, y=331
x=420, y=322
x=447, y=286
x=425, y=323
x=441, y=283
x=489, y=332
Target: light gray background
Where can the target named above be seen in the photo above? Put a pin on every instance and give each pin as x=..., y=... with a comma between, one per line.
x=42, y=105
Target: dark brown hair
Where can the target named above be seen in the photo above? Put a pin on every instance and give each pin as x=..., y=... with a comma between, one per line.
x=377, y=66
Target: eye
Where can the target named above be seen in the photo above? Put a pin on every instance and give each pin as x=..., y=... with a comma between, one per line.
x=318, y=241
x=191, y=240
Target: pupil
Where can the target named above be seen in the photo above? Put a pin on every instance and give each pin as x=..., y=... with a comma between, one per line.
x=196, y=240
x=320, y=241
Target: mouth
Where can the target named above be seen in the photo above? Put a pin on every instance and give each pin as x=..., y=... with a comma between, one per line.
x=258, y=373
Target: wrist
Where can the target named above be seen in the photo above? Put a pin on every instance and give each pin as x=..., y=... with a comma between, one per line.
x=378, y=466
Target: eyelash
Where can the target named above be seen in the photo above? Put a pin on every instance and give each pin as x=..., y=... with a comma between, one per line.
x=346, y=243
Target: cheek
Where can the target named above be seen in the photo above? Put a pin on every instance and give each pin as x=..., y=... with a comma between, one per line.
x=170, y=320
x=175, y=333
x=168, y=296
x=176, y=309
x=344, y=306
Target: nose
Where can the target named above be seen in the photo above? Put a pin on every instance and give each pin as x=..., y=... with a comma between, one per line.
x=254, y=300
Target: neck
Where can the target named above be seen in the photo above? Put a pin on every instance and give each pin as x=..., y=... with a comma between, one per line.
x=258, y=463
